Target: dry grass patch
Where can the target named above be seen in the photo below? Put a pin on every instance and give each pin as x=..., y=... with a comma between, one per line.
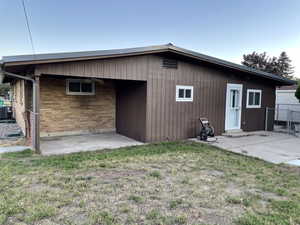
x=167, y=183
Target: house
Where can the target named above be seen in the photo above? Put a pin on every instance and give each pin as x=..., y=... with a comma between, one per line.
x=287, y=105
x=285, y=95
x=150, y=94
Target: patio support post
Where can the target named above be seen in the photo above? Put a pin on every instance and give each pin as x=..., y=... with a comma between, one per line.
x=36, y=114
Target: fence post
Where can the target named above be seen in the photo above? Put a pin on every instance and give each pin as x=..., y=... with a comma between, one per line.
x=293, y=131
x=266, y=119
x=277, y=111
x=289, y=121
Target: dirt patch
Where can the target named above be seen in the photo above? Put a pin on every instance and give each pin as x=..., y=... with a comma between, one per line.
x=217, y=216
x=214, y=173
x=266, y=196
x=111, y=174
x=39, y=187
x=233, y=189
x=70, y=213
x=291, y=169
x=272, y=196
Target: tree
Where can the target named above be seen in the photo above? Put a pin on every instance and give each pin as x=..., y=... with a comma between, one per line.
x=280, y=66
x=255, y=60
x=297, y=93
x=284, y=65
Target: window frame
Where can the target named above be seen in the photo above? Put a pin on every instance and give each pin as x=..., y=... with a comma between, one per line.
x=80, y=92
x=248, y=98
x=184, y=99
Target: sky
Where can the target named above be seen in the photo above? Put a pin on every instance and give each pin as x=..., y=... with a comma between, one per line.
x=226, y=29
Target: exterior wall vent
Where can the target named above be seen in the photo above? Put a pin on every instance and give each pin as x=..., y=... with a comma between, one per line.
x=169, y=63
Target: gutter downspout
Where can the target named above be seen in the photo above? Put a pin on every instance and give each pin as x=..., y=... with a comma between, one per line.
x=35, y=106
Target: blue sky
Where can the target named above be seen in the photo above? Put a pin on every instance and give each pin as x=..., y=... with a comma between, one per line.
x=222, y=28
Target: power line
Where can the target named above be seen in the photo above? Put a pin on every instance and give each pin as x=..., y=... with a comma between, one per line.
x=28, y=26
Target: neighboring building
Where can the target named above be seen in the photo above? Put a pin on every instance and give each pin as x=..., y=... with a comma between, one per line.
x=286, y=102
x=150, y=94
x=286, y=95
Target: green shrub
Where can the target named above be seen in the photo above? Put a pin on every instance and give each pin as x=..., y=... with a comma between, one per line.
x=155, y=174
x=297, y=94
x=175, y=203
x=135, y=198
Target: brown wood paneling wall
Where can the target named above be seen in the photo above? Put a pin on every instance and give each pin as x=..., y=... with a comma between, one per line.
x=131, y=109
x=167, y=119
x=171, y=120
x=254, y=119
x=125, y=68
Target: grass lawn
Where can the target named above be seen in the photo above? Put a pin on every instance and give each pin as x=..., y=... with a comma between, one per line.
x=166, y=183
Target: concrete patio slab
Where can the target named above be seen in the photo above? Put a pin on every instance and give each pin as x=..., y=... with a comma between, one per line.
x=13, y=149
x=269, y=146
x=82, y=143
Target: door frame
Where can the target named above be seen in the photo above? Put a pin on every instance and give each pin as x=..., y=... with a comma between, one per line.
x=227, y=110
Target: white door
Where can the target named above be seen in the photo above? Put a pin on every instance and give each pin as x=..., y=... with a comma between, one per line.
x=233, y=106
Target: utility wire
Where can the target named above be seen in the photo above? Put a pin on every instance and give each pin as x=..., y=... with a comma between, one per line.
x=28, y=26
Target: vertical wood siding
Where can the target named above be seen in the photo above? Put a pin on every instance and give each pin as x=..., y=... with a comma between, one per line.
x=167, y=119
x=171, y=120
x=126, y=68
x=131, y=109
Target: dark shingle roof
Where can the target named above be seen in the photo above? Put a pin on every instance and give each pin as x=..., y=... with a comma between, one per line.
x=34, y=59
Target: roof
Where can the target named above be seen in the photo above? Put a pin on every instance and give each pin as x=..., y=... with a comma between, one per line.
x=285, y=88
x=85, y=55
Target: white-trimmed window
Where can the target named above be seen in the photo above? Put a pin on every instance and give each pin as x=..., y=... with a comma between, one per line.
x=184, y=93
x=80, y=87
x=253, y=98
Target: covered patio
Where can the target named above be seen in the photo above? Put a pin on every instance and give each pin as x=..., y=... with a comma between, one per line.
x=62, y=110
x=83, y=143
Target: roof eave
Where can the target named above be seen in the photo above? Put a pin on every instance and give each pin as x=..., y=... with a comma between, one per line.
x=57, y=60
x=284, y=81
x=153, y=50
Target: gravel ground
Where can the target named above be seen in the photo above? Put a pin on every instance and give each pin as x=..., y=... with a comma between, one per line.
x=7, y=129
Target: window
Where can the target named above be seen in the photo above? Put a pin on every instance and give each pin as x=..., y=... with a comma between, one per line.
x=253, y=98
x=234, y=95
x=80, y=87
x=184, y=93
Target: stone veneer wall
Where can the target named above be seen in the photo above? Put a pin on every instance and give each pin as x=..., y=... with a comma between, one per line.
x=19, y=104
x=63, y=114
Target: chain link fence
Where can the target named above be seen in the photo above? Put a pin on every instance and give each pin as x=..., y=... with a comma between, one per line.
x=285, y=119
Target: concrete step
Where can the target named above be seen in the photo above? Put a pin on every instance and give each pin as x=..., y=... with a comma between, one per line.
x=237, y=134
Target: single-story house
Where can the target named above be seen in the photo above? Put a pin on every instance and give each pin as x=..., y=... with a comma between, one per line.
x=150, y=94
